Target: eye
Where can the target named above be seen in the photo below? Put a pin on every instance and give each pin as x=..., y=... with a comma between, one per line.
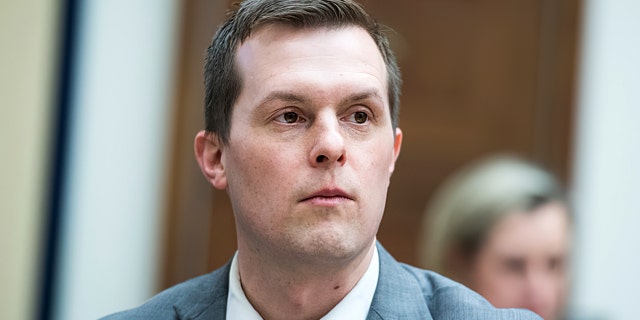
x=359, y=117
x=556, y=264
x=514, y=265
x=288, y=117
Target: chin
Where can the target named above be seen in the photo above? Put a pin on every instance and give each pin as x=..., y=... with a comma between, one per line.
x=329, y=248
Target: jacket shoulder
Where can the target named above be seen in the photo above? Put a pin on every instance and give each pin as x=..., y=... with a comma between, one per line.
x=448, y=299
x=188, y=299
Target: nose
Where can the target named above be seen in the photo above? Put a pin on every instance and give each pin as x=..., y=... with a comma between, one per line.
x=541, y=294
x=328, y=143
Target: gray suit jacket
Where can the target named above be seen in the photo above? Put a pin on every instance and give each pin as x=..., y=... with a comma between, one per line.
x=403, y=292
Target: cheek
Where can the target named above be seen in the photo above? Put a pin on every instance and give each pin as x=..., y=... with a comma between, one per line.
x=373, y=163
x=375, y=180
x=254, y=164
x=500, y=291
x=257, y=192
x=491, y=281
x=257, y=178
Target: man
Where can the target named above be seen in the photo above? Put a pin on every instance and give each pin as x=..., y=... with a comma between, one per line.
x=301, y=131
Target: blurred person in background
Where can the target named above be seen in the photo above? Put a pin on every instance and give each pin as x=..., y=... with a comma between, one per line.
x=502, y=227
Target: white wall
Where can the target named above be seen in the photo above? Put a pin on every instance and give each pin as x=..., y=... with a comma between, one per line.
x=607, y=163
x=116, y=170
x=28, y=38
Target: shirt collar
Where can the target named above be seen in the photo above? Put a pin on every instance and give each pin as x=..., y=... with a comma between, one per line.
x=355, y=305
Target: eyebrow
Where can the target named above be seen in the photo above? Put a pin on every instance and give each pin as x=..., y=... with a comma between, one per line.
x=364, y=95
x=296, y=98
x=283, y=96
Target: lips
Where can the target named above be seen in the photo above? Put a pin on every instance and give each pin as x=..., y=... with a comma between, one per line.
x=328, y=194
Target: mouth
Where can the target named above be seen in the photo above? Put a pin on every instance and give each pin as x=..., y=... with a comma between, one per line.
x=328, y=197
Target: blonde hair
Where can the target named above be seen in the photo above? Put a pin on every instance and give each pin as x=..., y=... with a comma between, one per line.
x=463, y=211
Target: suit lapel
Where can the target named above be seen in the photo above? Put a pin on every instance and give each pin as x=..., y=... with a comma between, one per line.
x=208, y=300
x=397, y=292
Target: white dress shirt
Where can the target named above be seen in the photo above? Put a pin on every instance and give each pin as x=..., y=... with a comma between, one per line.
x=355, y=305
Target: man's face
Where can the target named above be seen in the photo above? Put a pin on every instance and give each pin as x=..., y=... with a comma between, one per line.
x=311, y=146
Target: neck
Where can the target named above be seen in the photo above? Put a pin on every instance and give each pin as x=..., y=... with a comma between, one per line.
x=280, y=288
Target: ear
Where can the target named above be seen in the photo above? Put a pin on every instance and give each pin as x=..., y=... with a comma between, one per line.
x=397, y=143
x=208, y=149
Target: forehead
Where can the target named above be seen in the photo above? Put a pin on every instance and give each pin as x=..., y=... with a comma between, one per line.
x=545, y=229
x=277, y=48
